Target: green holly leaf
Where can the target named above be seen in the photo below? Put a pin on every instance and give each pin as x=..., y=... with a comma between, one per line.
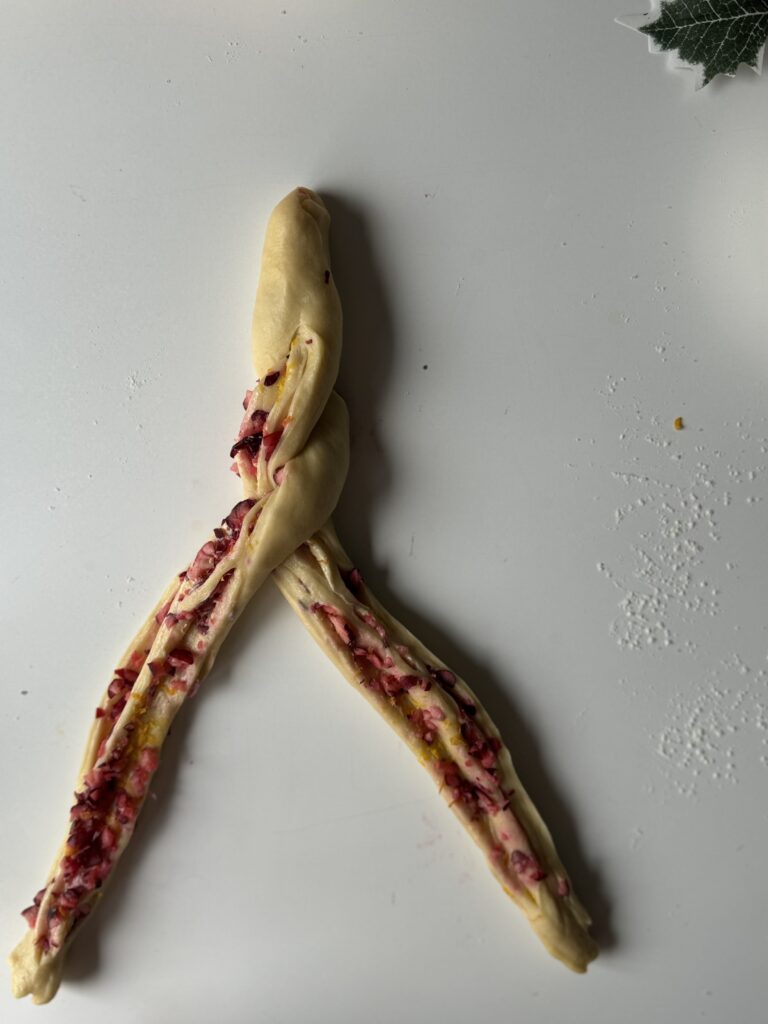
x=711, y=36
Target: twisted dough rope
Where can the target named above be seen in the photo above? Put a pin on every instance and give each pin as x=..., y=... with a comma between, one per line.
x=433, y=711
x=294, y=456
x=291, y=456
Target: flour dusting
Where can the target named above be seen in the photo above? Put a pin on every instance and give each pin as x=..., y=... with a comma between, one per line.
x=685, y=508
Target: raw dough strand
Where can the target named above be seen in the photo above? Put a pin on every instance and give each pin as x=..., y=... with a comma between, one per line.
x=292, y=454
x=443, y=722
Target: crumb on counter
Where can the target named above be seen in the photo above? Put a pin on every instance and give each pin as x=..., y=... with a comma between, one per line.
x=678, y=423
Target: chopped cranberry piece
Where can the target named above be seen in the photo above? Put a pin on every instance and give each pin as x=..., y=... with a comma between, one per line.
x=527, y=866
x=138, y=658
x=30, y=915
x=390, y=685
x=247, y=399
x=100, y=712
x=235, y=518
x=370, y=620
x=251, y=443
x=425, y=722
x=39, y=897
x=117, y=687
x=259, y=419
x=180, y=657
x=127, y=674
x=158, y=667
x=353, y=581
x=108, y=838
x=162, y=612
x=70, y=898
x=125, y=810
x=563, y=887
x=271, y=442
x=117, y=709
x=271, y=379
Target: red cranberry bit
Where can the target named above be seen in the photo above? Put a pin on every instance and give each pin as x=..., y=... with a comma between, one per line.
x=527, y=866
x=425, y=722
x=445, y=677
x=138, y=658
x=270, y=442
x=180, y=657
x=486, y=801
x=251, y=443
x=364, y=657
x=117, y=687
x=477, y=745
x=353, y=581
x=271, y=379
x=125, y=810
x=158, y=667
x=235, y=518
x=204, y=562
x=247, y=399
x=337, y=620
x=117, y=709
x=30, y=915
x=370, y=620
x=259, y=420
x=563, y=887
x=390, y=685
x=69, y=899
x=127, y=675
x=162, y=613
x=100, y=712
x=108, y=838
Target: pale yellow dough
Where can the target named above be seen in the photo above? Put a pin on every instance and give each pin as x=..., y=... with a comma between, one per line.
x=297, y=334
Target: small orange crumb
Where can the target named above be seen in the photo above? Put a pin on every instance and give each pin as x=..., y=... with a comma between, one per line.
x=679, y=423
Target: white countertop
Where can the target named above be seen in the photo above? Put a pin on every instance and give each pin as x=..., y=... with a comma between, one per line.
x=548, y=247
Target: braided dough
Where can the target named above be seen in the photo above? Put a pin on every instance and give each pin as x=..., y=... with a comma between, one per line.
x=291, y=454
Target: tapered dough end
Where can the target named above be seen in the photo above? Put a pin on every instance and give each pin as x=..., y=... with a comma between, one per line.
x=563, y=932
x=295, y=283
x=31, y=978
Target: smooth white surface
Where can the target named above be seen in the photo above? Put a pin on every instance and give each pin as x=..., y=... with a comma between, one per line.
x=573, y=242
